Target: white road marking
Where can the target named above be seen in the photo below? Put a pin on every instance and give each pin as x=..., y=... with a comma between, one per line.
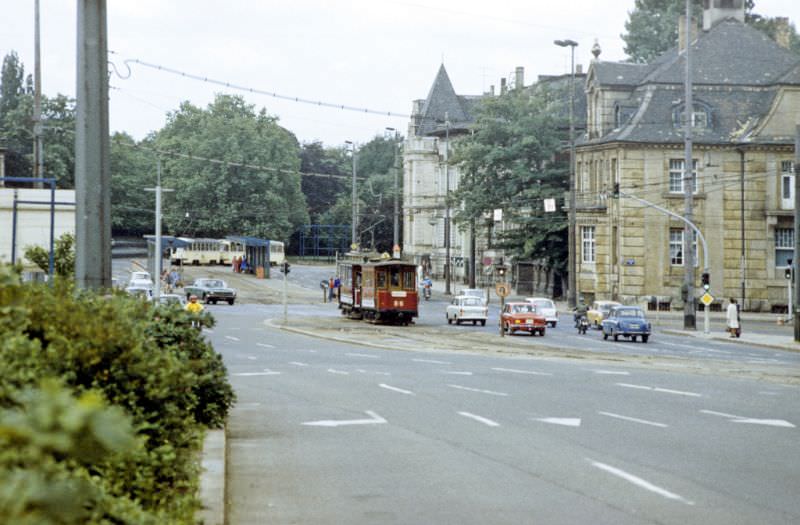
x=633, y=419
x=265, y=345
x=659, y=389
x=457, y=373
x=485, y=421
x=515, y=371
x=564, y=421
x=363, y=355
x=340, y=372
x=612, y=372
x=490, y=392
x=431, y=361
x=297, y=363
x=750, y=420
x=252, y=357
x=639, y=482
x=232, y=338
x=374, y=419
x=266, y=372
x=395, y=389
x=768, y=393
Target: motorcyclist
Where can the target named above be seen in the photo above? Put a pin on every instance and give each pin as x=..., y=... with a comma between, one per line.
x=580, y=311
x=427, y=284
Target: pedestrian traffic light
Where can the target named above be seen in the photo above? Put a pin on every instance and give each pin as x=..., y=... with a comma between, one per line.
x=285, y=268
x=706, y=280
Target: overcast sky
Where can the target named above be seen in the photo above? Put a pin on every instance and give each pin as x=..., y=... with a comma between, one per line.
x=375, y=54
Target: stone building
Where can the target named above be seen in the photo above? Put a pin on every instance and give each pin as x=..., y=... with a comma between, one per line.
x=746, y=107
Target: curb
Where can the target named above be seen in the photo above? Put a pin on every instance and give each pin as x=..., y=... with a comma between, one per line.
x=212, y=478
x=773, y=346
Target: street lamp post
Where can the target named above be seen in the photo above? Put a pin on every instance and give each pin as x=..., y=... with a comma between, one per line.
x=572, y=267
x=354, y=226
x=447, y=267
x=395, y=168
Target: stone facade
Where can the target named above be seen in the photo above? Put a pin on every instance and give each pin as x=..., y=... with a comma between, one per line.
x=746, y=106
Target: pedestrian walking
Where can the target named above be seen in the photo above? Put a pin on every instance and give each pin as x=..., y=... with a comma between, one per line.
x=331, y=288
x=732, y=318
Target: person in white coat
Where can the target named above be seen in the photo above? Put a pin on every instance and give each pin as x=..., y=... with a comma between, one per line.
x=732, y=317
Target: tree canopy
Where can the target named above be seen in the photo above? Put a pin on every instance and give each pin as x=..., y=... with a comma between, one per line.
x=652, y=27
x=511, y=162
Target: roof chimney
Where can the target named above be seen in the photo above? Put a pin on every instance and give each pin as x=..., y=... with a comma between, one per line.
x=682, y=33
x=783, y=35
x=717, y=10
x=519, y=77
x=502, y=86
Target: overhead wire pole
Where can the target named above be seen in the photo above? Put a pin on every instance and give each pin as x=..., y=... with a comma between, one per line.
x=447, y=267
x=689, y=320
x=158, y=248
x=796, y=259
x=92, y=173
x=354, y=226
x=38, y=151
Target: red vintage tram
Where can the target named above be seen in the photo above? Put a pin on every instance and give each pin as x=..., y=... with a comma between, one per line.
x=378, y=291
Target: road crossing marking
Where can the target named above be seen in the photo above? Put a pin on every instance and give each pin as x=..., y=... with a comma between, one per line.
x=232, y=338
x=490, y=392
x=431, y=361
x=750, y=420
x=639, y=482
x=374, y=419
x=515, y=371
x=633, y=419
x=563, y=421
x=395, y=389
x=363, y=355
x=659, y=389
x=485, y=421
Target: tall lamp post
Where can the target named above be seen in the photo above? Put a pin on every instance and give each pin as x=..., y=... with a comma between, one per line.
x=572, y=267
x=354, y=226
x=395, y=168
x=448, y=270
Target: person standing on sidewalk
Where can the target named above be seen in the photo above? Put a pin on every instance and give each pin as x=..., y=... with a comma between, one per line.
x=732, y=317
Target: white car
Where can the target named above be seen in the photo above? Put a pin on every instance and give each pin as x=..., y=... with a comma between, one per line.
x=466, y=308
x=474, y=292
x=545, y=307
x=140, y=280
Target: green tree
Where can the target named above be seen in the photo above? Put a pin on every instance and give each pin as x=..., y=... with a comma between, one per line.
x=511, y=161
x=132, y=170
x=321, y=193
x=11, y=86
x=63, y=256
x=652, y=27
x=218, y=199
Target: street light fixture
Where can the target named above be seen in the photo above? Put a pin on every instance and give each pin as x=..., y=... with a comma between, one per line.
x=354, y=226
x=571, y=262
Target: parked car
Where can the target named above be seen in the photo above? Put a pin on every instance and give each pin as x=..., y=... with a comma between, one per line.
x=546, y=307
x=475, y=292
x=599, y=311
x=523, y=317
x=210, y=291
x=145, y=292
x=145, y=276
x=466, y=308
x=171, y=298
x=627, y=321
x=140, y=280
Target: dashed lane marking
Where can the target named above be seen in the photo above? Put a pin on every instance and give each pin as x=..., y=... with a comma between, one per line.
x=457, y=373
x=264, y=345
x=431, y=361
x=639, y=482
x=750, y=420
x=659, y=389
x=395, y=389
x=480, y=419
x=478, y=390
x=528, y=372
x=266, y=372
x=612, y=372
x=297, y=363
x=633, y=419
x=339, y=372
x=232, y=338
x=374, y=419
x=371, y=356
x=563, y=421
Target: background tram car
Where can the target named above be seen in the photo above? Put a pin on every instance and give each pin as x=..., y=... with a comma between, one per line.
x=276, y=253
x=199, y=251
x=384, y=291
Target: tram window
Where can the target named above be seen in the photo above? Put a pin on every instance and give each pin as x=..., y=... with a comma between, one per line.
x=395, y=278
x=408, y=280
x=381, y=279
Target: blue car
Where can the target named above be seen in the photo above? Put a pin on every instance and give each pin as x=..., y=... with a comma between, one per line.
x=628, y=322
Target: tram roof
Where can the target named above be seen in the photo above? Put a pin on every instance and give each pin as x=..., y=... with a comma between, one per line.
x=249, y=241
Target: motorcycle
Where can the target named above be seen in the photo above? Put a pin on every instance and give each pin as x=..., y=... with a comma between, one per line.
x=582, y=324
x=426, y=292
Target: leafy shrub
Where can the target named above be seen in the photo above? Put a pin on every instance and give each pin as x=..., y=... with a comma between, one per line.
x=148, y=361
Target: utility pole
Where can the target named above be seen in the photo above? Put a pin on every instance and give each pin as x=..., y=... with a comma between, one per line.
x=572, y=267
x=354, y=227
x=38, y=151
x=472, y=253
x=92, y=173
x=689, y=307
x=396, y=168
x=796, y=259
x=159, y=251
x=447, y=267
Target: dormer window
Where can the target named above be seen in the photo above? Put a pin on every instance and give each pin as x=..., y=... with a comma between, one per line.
x=701, y=116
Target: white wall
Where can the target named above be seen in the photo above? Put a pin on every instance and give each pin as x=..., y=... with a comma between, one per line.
x=33, y=220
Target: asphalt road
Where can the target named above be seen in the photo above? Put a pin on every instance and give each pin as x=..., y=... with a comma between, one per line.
x=327, y=432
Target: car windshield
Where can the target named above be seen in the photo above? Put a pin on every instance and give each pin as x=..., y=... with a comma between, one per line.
x=606, y=307
x=523, y=308
x=629, y=312
x=543, y=303
x=212, y=283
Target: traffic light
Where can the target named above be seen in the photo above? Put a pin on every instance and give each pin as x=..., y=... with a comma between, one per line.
x=788, y=271
x=706, y=280
x=616, y=189
x=285, y=268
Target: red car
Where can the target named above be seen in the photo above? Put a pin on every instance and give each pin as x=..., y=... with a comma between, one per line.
x=523, y=316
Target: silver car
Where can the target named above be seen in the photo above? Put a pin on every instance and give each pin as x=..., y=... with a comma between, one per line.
x=545, y=307
x=464, y=308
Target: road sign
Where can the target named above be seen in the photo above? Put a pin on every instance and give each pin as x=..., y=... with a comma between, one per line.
x=707, y=299
x=502, y=289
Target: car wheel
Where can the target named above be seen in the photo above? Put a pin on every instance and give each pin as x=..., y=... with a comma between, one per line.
x=616, y=337
x=633, y=338
x=483, y=322
x=205, y=299
x=645, y=338
x=213, y=301
x=605, y=336
x=458, y=321
x=474, y=322
x=230, y=302
x=554, y=324
x=449, y=321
